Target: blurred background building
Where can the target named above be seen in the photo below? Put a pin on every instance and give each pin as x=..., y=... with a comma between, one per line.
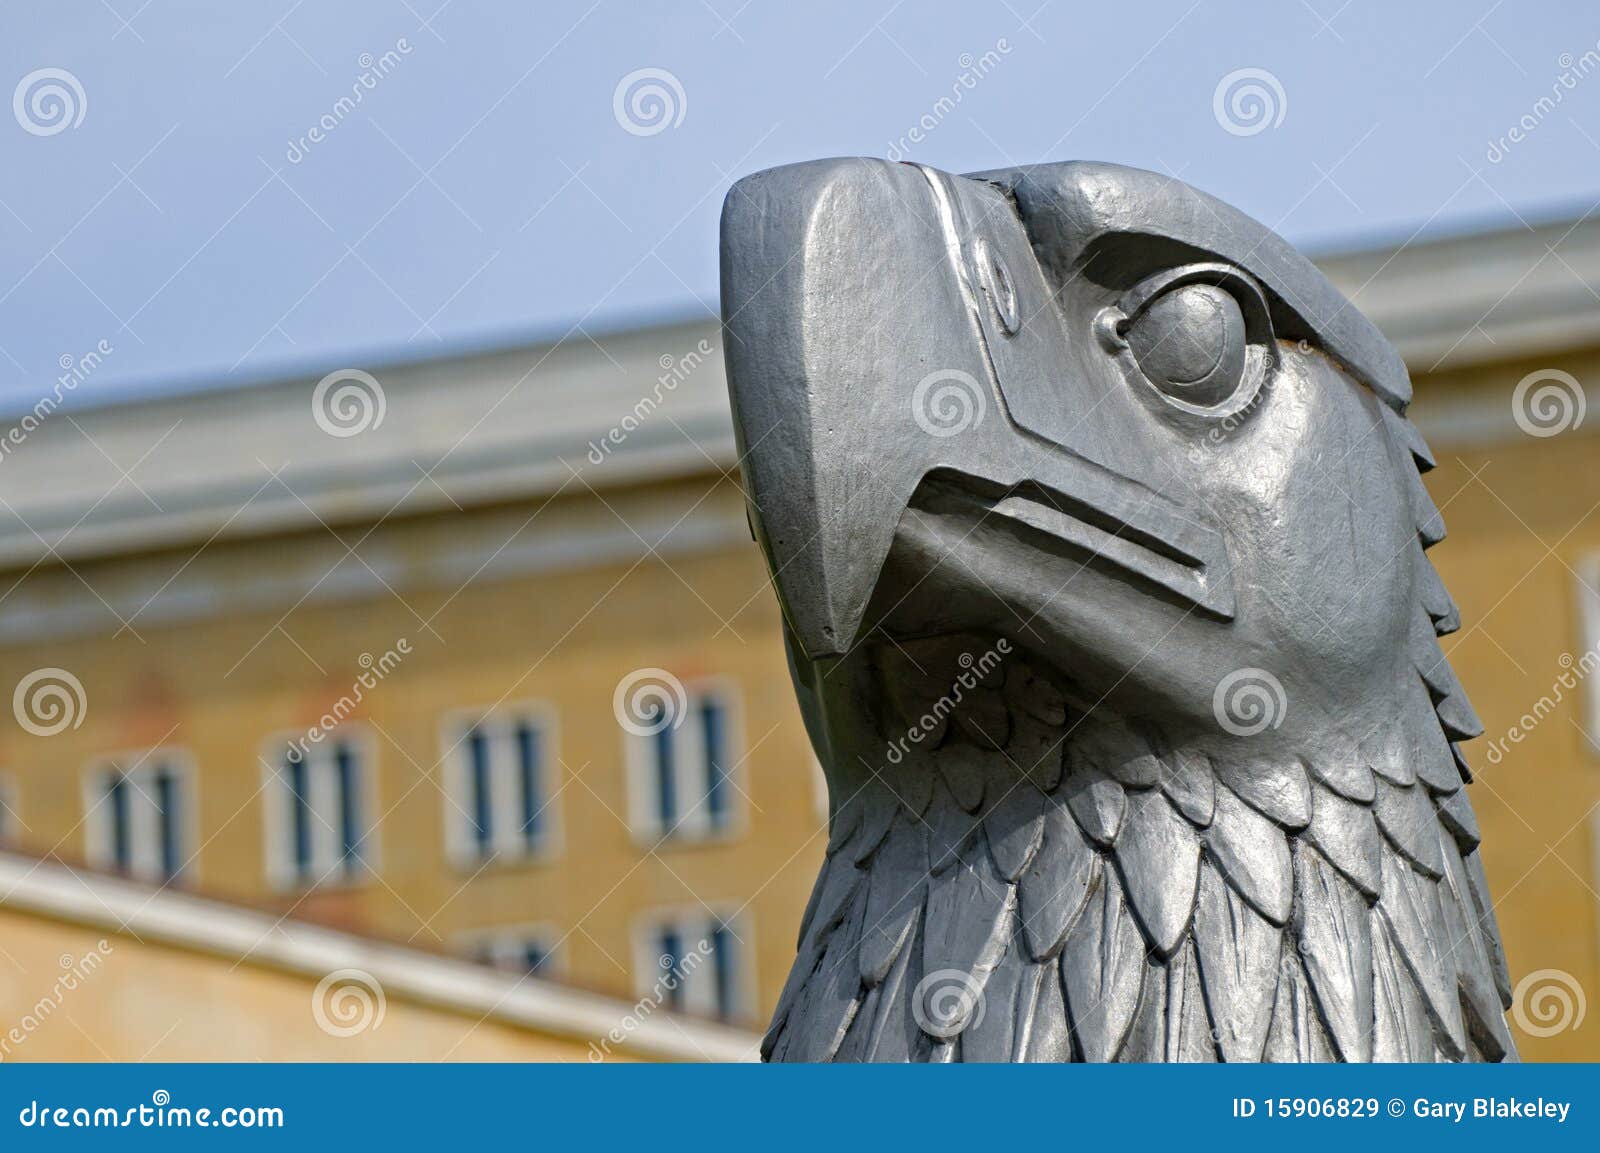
x=355, y=654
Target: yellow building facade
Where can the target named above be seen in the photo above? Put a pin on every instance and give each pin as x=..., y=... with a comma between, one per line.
x=448, y=611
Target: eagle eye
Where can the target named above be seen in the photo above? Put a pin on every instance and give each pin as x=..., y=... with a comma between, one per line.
x=1200, y=336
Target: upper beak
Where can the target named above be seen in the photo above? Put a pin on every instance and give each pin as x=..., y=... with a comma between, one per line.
x=881, y=321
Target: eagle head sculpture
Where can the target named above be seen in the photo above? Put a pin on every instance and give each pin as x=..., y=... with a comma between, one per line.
x=1098, y=530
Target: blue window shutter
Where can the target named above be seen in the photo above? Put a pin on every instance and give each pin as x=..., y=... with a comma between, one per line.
x=713, y=725
x=666, y=779
x=349, y=805
x=300, y=811
x=482, y=816
x=722, y=962
x=117, y=794
x=168, y=804
x=535, y=956
x=529, y=766
x=672, y=953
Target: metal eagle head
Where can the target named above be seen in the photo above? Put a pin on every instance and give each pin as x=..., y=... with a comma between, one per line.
x=1098, y=531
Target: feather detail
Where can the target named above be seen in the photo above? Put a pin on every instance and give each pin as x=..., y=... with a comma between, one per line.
x=1410, y=907
x=832, y=996
x=1350, y=778
x=1345, y=834
x=1238, y=951
x=1296, y=1032
x=1335, y=943
x=1458, y=718
x=1187, y=780
x=990, y=1037
x=1485, y=1020
x=982, y=715
x=1387, y=753
x=966, y=926
x=895, y=1035
x=1097, y=802
x=1456, y=815
x=1252, y=853
x=876, y=818
x=951, y=832
x=1424, y=513
x=1479, y=884
x=1102, y=971
x=1190, y=1037
x=1048, y=1038
x=1014, y=826
x=1037, y=697
x=912, y=782
x=1054, y=887
x=1406, y=436
x=896, y=887
x=1407, y=821
x=1158, y=854
x=1279, y=790
x=963, y=768
x=1401, y=1030
x=1435, y=600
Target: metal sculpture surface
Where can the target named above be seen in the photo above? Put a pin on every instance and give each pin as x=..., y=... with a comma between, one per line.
x=1098, y=530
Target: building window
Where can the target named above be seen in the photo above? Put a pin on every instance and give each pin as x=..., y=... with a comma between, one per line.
x=317, y=806
x=695, y=962
x=517, y=949
x=138, y=811
x=681, y=775
x=10, y=821
x=498, y=784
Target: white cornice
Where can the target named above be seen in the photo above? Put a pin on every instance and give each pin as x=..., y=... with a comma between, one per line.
x=518, y=423
x=183, y=920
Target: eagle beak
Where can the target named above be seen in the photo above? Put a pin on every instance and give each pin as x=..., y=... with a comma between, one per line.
x=880, y=323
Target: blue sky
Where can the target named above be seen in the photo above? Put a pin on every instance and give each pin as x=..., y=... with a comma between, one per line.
x=484, y=188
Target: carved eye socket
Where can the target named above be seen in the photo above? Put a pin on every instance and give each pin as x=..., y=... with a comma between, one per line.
x=1190, y=343
x=1199, y=335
